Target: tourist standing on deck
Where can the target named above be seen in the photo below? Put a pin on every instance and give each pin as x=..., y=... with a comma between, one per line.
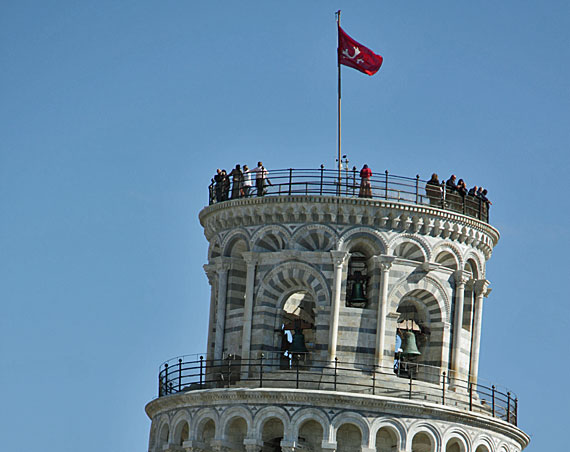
x=365, y=189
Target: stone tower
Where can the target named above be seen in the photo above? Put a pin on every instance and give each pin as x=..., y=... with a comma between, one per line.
x=339, y=322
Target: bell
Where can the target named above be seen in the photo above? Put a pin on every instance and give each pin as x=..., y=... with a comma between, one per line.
x=409, y=347
x=298, y=344
x=357, y=294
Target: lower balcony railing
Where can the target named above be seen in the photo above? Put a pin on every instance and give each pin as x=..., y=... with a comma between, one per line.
x=405, y=380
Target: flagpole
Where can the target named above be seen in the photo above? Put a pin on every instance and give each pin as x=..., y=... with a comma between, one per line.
x=338, y=125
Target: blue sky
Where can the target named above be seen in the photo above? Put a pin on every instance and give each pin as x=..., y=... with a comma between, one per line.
x=114, y=116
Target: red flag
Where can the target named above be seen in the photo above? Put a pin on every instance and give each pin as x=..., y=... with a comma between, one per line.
x=355, y=55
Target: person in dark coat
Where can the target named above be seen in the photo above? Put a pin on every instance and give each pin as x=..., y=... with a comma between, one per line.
x=225, y=185
x=237, y=178
x=434, y=190
x=218, y=185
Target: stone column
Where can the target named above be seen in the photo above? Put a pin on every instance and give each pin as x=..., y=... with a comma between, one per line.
x=222, y=268
x=482, y=290
x=385, y=263
x=253, y=444
x=249, y=258
x=212, y=274
x=338, y=258
x=460, y=281
x=288, y=446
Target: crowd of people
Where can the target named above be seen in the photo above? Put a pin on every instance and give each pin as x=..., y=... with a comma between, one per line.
x=454, y=191
x=239, y=182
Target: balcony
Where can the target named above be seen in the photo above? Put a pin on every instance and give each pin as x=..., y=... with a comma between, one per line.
x=275, y=370
x=325, y=182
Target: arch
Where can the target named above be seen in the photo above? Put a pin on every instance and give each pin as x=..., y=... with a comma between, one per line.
x=477, y=262
x=200, y=421
x=395, y=426
x=235, y=433
x=311, y=435
x=401, y=246
x=272, y=237
x=291, y=276
x=235, y=243
x=314, y=237
x=232, y=413
x=306, y=414
x=267, y=413
x=447, y=259
x=423, y=428
x=485, y=442
x=456, y=441
x=351, y=418
x=163, y=434
x=181, y=427
x=414, y=286
x=366, y=238
x=453, y=250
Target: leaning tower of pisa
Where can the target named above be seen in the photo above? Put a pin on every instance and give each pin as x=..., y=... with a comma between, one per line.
x=340, y=323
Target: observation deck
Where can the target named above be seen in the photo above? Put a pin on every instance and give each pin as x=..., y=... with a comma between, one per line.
x=326, y=182
x=300, y=371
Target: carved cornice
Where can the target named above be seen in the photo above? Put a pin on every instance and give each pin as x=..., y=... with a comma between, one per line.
x=367, y=405
x=333, y=211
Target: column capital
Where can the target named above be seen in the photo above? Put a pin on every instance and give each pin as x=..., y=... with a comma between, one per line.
x=193, y=446
x=339, y=257
x=429, y=266
x=222, y=263
x=253, y=444
x=250, y=257
x=288, y=446
x=461, y=277
x=384, y=261
x=481, y=287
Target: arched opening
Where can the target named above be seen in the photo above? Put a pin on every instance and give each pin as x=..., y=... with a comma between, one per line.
x=386, y=440
x=357, y=280
x=420, y=336
x=410, y=251
x=181, y=433
x=446, y=259
x=296, y=329
x=163, y=436
x=422, y=442
x=311, y=436
x=236, y=431
x=272, y=435
x=206, y=431
x=349, y=438
x=454, y=445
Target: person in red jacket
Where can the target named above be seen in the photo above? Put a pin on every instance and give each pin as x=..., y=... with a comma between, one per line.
x=365, y=189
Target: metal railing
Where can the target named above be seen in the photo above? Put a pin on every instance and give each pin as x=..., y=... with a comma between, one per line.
x=407, y=380
x=325, y=182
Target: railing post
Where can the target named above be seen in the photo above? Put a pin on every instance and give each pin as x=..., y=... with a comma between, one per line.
x=508, y=407
x=354, y=181
x=159, y=383
x=374, y=381
x=179, y=374
x=166, y=378
x=201, y=369
x=335, y=371
x=470, y=396
x=443, y=196
x=516, y=411
x=261, y=370
x=480, y=209
x=443, y=389
x=290, y=179
x=322, y=175
x=410, y=391
x=417, y=188
x=386, y=194
x=493, y=398
x=297, y=363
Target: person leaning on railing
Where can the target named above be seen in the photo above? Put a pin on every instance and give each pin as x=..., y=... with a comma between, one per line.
x=365, y=189
x=434, y=190
x=261, y=179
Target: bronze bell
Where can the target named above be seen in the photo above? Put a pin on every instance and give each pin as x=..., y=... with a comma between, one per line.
x=409, y=347
x=357, y=294
x=298, y=343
